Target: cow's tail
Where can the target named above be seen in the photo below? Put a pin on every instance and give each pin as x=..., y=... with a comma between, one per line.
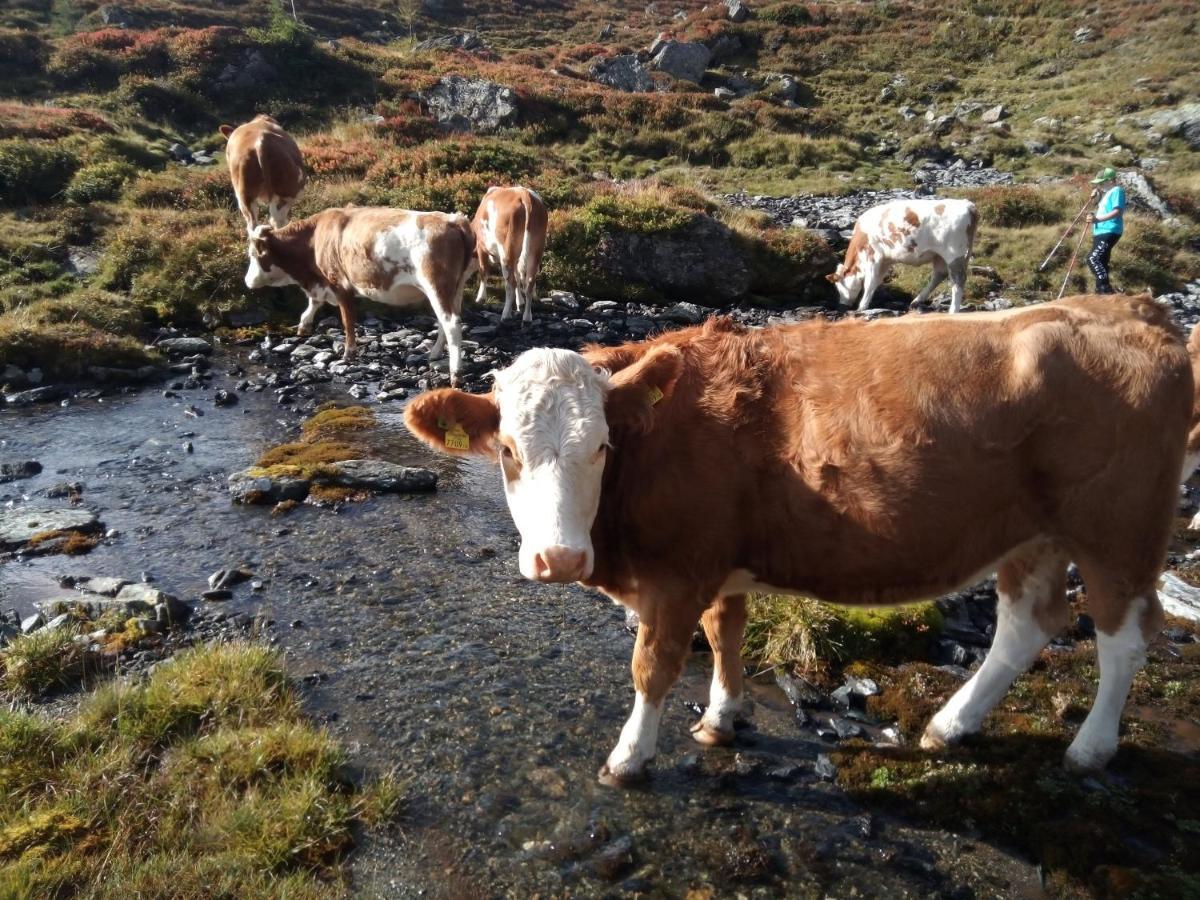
x=523, y=260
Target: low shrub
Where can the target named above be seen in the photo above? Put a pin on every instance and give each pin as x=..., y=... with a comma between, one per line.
x=1017, y=207
x=33, y=172
x=99, y=181
x=161, y=100
x=184, y=189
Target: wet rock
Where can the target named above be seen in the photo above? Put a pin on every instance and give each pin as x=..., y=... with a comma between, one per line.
x=613, y=860
x=224, y=398
x=35, y=395
x=685, y=313
x=108, y=587
x=185, y=346
x=57, y=622
x=682, y=60
x=249, y=487
x=845, y=728
x=824, y=767
x=689, y=764
x=854, y=691
x=146, y=598
x=12, y=471
x=383, y=477
x=798, y=691
x=549, y=781
x=470, y=104
x=32, y=623
x=223, y=578
x=217, y=595
x=18, y=526
x=625, y=73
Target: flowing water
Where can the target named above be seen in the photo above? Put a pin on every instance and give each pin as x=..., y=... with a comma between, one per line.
x=496, y=699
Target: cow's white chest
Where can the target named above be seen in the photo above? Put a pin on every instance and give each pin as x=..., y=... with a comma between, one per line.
x=398, y=256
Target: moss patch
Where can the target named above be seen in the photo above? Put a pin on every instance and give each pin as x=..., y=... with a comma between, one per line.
x=205, y=780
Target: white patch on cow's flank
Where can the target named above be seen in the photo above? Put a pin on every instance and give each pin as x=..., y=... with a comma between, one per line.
x=638, y=740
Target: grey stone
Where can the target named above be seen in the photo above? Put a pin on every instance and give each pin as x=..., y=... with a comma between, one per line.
x=724, y=93
x=116, y=17
x=30, y=624
x=907, y=112
x=467, y=40
x=1143, y=194
x=824, y=767
x=250, y=70
x=108, y=587
x=57, y=622
x=1036, y=147
x=145, y=598
x=26, y=468
x=246, y=487
x=736, y=10
x=35, y=395
x=1183, y=121
x=185, y=346
x=384, y=477
x=995, y=114
x=1179, y=598
x=625, y=73
x=686, y=313
x=471, y=104
x=1083, y=35
x=179, y=152
x=682, y=60
x=701, y=260
x=17, y=526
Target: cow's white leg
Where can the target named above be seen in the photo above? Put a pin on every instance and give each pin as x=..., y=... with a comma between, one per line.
x=958, y=283
x=658, y=656
x=527, y=292
x=249, y=214
x=935, y=278
x=439, y=344
x=481, y=294
x=450, y=332
x=724, y=625
x=510, y=289
x=309, y=317
x=871, y=282
x=1120, y=654
x=1032, y=608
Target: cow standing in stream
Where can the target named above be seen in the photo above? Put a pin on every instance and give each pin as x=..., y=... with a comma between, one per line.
x=393, y=256
x=913, y=232
x=682, y=473
x=510, y=235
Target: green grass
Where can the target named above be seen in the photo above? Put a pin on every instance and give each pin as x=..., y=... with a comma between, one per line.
x=37, y=663
x=204, y=780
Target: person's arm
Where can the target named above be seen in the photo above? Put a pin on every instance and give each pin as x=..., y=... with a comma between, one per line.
x=1114, y=212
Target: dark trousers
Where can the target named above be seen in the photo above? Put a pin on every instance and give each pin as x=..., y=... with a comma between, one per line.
x=1102, y=247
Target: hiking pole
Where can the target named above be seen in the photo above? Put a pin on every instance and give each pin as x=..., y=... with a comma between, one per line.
x=1071, y=265
x=1070, y=228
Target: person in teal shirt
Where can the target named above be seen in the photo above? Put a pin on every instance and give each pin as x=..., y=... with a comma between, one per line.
x=1108, y=225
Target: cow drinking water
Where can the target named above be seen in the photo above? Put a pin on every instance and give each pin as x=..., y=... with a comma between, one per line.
x=266, y=166
x=682, y=473
x=510, y=235
x=913, y=232
x=392, y=256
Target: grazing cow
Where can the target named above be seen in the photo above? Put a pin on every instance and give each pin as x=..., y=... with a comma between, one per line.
x=392, y=256
x=510, y=234
x=913, y=232
x=265, y=165
x=682, y=473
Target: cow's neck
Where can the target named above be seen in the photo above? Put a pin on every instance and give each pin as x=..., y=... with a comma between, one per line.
x=293, y=247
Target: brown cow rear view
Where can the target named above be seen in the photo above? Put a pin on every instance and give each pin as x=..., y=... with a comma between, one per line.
x=510, y=234
x=266, y=166
x=860, y=463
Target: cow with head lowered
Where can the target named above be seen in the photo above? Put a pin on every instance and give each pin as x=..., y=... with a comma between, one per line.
x=265, y=166
x=940, y=233
x=680, y=474
x=510, y=235
x=393, y=256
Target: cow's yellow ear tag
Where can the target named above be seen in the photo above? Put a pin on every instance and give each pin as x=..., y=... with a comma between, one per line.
x=654, y=394
x=457, y=439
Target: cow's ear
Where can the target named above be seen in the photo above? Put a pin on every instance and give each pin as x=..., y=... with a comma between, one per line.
x=643, y=387
x=455, y=422
x=613, y=359
x=226, y=130
x=260, y=239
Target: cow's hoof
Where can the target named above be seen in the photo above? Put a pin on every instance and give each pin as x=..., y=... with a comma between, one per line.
x=709, y=736
x=1087, y=760
x=609, y=778
x=933, y=739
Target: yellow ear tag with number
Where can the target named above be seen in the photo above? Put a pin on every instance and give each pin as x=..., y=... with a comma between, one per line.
x=457, y=439
x=654, y=394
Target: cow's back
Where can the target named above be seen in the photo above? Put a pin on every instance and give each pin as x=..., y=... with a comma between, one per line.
x=264, y=160
x=841, y=458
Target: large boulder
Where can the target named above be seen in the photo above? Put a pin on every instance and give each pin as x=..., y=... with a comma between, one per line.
x=700, y=261
x=471, y=104
x=249, y=71
x=1183, y=121
x=681, y=60
x=19, y=526
x=254, y=486
x=382, y=477
x=625, y=73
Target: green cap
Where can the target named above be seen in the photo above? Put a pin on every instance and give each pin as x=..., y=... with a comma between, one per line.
x=1108, y=173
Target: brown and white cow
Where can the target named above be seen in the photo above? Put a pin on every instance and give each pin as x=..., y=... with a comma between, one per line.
x=392, y=256
x=680, y=474
x=510, y=234
x=266, y=166
x=913, y=232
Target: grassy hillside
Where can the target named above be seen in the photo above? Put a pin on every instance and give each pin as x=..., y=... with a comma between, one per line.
x=88, y=112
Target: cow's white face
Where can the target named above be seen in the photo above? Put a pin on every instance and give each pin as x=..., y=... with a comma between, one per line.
x=848, y=285
x=547, y=423
x=263, y=272
x=553, y=440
